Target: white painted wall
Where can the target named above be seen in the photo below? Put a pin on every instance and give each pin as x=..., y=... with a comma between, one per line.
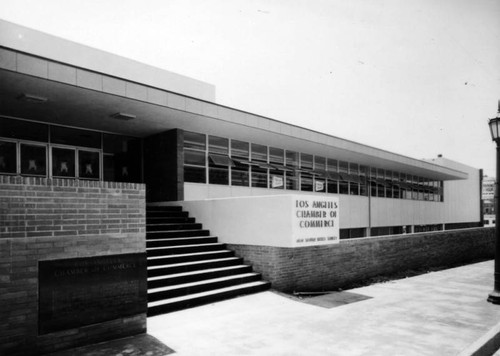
x=461, y=197
x=263, y=220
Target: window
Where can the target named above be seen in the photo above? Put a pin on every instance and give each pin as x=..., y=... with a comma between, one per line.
x=292, y=179
x=8, y=157
x=194, y=140
x=373, y=182
x=219, y=161
x=306, y=176
x=414, y=184
x=396, y=185
x=380, y=183
x=259, y=171
x=388, y=184
x=344, y=174
x=88, y=164
x=240, y=172
x=277, y=172
x=75, y=137
x=194, y=157
x=363, y=171
x=122, y=158
x=57, y=154
x=33, y=160
x=353, y=179
x=320, y=174
x=63, y=162
x=24, y=130
x=333, y=177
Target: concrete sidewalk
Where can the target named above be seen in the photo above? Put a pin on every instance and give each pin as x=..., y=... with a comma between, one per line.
x=439, y=313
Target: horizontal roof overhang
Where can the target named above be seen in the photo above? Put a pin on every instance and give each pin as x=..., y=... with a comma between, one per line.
x=82, y=98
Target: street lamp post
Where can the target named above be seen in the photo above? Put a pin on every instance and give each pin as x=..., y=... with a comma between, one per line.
x=494, y=297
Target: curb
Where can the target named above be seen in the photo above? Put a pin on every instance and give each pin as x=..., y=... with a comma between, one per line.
x=487, y=345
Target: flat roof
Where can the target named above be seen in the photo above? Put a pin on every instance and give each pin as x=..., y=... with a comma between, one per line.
x=87, y=90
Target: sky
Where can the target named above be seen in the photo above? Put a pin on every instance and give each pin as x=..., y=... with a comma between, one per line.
x=414, y=77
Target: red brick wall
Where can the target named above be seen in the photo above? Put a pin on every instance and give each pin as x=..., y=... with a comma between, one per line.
x=44, y=219
x=330, y=267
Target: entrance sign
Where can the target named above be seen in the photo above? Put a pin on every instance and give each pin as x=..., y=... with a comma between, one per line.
x=281, y=220
x=315, y=221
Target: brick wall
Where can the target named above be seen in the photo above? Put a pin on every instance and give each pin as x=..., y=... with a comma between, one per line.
x=45, y=219
x=334, y=266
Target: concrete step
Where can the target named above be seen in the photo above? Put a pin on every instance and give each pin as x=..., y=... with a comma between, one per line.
x=179, y=241
x=174, y=213
x=154, y=220
x=187, y=257
x=200, y=286
x=176, y=233
x=172, y=304
x=172, y=250
x=193, y=276
x=173, y=226
x=163, y=208
x=162, y=270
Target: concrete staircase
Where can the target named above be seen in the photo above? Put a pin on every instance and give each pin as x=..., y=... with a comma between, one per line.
x=189, y=267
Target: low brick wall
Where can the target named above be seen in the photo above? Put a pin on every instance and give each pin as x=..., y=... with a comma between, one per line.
x=330, y=267
x=49, y=219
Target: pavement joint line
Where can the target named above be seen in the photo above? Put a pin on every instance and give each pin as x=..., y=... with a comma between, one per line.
x=486, y=345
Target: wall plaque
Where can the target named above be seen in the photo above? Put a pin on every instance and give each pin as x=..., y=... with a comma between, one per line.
x=82, y=291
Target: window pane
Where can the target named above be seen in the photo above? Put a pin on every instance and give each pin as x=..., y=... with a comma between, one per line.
x=194, y=174
x=75, y=137
x=218, y=145
x=363, y=171
x=24, y=130
x=8, y=157
x=33, y=160
x=291, y=159
x=240, y=149
x=218, y=175
x=109, y=168
x=259, y=177
x=343, y=187
x=333, y=186
x=292, y=180
x=353, y=188
x=380, y=185
x=123, y=158
x=194, y=140
x=332, y=165
x=388, y=185
x=319, y=163
x=88, y=163
x=306, y=161
x=240, y=175
x=194, y=157
x=63, y=162
x=306, y=182
x=276, y=155
x=259, y=153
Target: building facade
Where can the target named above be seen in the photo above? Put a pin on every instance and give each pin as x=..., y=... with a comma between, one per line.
x=88, y=139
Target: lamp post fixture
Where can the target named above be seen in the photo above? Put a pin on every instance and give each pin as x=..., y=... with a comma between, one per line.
x=494, y=297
